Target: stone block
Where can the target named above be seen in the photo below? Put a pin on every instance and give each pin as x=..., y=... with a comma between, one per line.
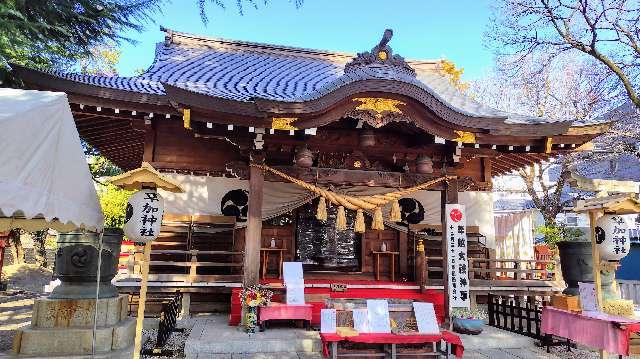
x=78, y=313
x=52, y=342
x=124, y=334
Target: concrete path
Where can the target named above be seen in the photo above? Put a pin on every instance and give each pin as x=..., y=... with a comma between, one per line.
x=211, y=337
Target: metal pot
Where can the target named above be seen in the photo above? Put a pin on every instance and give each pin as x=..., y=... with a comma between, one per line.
x=576, y=263
x=77, y=264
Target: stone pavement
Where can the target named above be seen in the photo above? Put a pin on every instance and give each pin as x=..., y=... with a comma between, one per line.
x=211, y=337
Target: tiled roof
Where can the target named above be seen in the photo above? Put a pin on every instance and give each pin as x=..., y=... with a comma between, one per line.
x=243, y=71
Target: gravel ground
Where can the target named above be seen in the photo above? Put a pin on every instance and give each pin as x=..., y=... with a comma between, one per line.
x=175, y=343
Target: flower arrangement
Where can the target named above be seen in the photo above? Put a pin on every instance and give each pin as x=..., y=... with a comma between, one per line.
x=464, y=313
x=255, y=296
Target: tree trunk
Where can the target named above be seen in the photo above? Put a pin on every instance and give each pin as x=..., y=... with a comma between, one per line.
x=18, y=250
x=39, y=239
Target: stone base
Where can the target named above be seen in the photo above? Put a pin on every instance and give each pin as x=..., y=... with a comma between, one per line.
x=64, y=328
x=68, y=290
x=74, y=341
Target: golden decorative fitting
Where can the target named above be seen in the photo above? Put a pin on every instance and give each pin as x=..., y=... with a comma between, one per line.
x=378, y=105
x=382, y=55
x=283, y=123
x=548, y=144
x=465, y=137
x=186, y=117
x=420, y=246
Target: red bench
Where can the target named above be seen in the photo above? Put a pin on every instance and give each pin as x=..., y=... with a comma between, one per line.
x=393, y=339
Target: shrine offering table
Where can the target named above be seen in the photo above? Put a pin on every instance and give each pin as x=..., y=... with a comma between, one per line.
x=595, y=330
x=281, y=311
x=266, y=252
x=392, y=263
x=392, y=340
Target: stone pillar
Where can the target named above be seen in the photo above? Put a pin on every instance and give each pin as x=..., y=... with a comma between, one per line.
x=253, y=233
x=186, y=306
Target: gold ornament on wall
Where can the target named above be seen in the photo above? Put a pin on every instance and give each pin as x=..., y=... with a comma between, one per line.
x=465, y=137
x=378, y=105
x=283, y=123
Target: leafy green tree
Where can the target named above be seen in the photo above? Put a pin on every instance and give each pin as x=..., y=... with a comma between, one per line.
x=57, y=33
x=113, y=201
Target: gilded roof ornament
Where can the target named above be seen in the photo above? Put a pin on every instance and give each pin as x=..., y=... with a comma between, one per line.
x=283, y=123
x=381, y=55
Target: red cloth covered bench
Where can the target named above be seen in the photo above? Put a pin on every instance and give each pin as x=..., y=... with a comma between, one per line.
x=282, y=311
x=393, y=339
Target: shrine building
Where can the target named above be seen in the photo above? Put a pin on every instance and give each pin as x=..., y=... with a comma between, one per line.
x=283, y=153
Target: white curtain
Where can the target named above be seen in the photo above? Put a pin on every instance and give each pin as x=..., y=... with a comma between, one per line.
x=204, y=195
x=514, y=235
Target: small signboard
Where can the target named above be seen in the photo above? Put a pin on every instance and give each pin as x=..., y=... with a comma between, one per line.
x=458, y=275
x=378, y=315
x=327, y=320
x=426, y=318
x=294, y=281
x=361, y=320
x=588, y=300
x=292, y=272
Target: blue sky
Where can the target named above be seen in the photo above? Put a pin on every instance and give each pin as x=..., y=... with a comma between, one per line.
x=423, y=29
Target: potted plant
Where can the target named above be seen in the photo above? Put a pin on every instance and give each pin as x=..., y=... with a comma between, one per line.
x=468, y=321
x=575, y=254
x=251, y=298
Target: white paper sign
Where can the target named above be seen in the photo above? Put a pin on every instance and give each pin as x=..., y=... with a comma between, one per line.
x=295, y=294
x=426, y=318
x=457, y=262
x=327, y=320
x=361, y=320
x=588, y=300
x=378, y=315
x=292, y=272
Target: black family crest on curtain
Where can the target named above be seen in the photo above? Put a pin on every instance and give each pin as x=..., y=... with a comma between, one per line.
x=235, y=203
x=411, y=211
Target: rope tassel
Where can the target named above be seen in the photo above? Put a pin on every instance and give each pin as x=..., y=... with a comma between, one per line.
x=359, y=226
x=321, y=213
x=395, y=215
x=341, y=219
x=378, y=222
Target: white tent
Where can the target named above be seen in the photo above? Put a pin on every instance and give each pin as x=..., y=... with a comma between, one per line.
x=44, y=177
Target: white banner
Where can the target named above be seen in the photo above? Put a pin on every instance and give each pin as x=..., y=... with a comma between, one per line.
x=457, y=256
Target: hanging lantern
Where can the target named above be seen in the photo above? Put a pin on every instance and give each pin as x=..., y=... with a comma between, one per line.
x=304, y=157
x=144, y=216
x=424, y=164
x=612, y=237
x=367, y=138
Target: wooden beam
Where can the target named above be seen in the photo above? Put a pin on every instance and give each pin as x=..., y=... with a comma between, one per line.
x=253, y=233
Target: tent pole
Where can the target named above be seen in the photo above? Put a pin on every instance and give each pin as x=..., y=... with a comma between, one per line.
x=95, y=311
x=595, y=254
x=142, y=301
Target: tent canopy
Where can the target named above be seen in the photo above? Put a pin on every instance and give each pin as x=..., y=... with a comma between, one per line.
x=44, y=177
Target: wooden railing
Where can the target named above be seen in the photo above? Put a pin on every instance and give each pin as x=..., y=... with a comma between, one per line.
x=512, y=269
x=192, y=263
x=482, y=270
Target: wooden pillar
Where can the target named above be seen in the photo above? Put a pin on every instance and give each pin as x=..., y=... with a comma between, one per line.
x=149, y=139
x=448, y=195
x=595, y=254
x=404, y=253
x=253, y=233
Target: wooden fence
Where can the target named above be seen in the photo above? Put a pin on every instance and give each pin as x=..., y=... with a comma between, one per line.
x=521, y=315
x=512, y=269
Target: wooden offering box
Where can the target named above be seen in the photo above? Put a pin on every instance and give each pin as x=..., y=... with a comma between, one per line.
x=566, y=302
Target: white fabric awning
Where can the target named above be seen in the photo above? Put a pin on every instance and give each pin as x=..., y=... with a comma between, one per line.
x=44, y=176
